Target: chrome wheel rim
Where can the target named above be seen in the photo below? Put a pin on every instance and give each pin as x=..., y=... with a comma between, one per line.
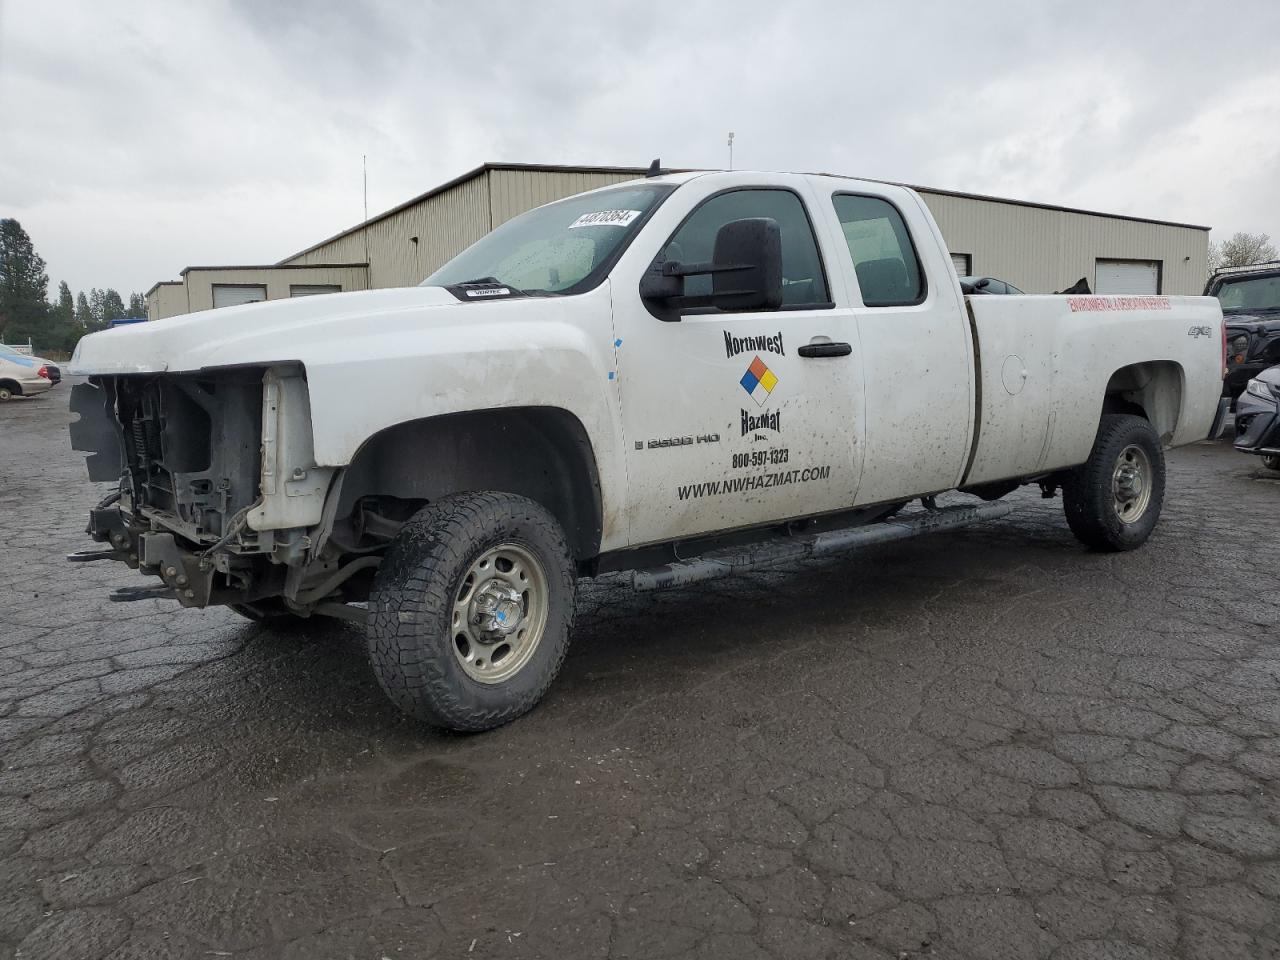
x=499, y=613
x=1131, y=483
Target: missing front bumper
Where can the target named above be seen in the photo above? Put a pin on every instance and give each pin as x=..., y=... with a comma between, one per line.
x=187, y=576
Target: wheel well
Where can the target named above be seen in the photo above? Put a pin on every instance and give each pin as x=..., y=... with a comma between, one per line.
x=542, y=453
x=1151, y=390
x=12, y=385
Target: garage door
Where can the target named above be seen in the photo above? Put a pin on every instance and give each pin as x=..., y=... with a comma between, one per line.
x=231, y=295
x=1127, y=276
x=961, y=262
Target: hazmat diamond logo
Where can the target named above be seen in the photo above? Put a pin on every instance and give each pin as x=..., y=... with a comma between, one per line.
x=759, y=381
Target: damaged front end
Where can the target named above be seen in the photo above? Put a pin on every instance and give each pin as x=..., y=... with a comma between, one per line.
x=219, y=495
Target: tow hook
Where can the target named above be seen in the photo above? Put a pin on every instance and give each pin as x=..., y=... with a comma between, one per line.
x=190, y=580
x=107, y=525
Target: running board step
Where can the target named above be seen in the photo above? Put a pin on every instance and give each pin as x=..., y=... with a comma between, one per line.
x=720, y=564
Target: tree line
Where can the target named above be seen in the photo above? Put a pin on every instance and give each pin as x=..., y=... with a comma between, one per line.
x=56, y=326
x=1242, y=250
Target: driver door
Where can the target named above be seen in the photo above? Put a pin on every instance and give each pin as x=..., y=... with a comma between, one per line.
x=734, y=419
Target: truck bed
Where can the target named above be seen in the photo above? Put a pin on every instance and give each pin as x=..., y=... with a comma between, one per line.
x=1030, y=417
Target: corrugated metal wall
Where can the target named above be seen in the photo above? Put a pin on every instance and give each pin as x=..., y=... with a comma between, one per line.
x=512, y=192
x=168, y=299
x=444, y=225
x=199, y=282
x=1037, y=249
x=1041, y=250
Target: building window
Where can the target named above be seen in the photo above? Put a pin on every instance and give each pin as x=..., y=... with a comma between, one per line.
x=963, y=262
x=312, y=289
x=234, y=294
x=1127, y=276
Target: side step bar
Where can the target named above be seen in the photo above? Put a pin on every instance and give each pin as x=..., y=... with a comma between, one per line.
x=728, y=563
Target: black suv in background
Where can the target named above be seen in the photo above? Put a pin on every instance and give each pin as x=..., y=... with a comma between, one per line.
x=1250, y=298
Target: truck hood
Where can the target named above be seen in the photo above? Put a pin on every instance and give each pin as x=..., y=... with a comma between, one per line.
x=276, y=330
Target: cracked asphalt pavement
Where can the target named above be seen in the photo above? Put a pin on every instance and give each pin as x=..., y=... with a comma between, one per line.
x=985, y=744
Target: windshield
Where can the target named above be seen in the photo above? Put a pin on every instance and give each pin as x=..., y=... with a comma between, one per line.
x=1250, y=294
x=559, y=249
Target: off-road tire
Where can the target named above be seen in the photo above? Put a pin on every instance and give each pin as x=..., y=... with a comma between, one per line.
x=1087, y=492
x=411, y=642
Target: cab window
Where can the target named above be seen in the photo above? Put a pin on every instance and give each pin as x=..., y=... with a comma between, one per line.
x=804, y=284
x=884, y=258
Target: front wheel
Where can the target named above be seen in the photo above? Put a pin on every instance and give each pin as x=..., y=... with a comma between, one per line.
x=471, y=609
x=1113, y=499
x=1271, y=461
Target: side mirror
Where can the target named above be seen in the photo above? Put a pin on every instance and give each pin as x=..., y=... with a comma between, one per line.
x=745, y=271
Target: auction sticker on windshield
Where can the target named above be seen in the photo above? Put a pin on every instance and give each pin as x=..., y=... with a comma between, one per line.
x=605, y=218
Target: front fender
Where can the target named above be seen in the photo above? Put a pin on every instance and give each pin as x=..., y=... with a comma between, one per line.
x=552, y=353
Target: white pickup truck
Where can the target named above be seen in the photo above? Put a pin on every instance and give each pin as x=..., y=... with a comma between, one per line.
x=686, y=376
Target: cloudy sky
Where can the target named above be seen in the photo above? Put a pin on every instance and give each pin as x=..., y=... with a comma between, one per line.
x=139, y=138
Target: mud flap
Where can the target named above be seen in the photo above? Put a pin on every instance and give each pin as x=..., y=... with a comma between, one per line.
x=96, y=432
x=1220, y=418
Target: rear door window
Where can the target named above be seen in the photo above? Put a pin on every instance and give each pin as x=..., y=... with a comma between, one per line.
x=884, y=258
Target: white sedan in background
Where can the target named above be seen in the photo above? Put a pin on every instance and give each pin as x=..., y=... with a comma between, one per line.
x=22, y=376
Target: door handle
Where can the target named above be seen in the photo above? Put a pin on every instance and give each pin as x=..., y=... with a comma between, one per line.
x=827, y=349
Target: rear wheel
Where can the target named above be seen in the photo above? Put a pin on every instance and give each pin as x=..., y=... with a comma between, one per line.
x=6, y=392
x=1113, y=499
x=1271, y=461
x=471, y=610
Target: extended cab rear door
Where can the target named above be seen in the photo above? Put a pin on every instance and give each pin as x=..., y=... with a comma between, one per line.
x=727, y=423
x=917, y=349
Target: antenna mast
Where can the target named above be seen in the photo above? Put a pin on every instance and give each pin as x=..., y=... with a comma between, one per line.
x=364, y=171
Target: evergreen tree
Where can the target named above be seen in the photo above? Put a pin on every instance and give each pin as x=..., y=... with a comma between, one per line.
x=137, y=305
x=84, y=316
x=60, y=331
x=112, y=307
x=23, y=283
x=66, y=308
x=95, y=308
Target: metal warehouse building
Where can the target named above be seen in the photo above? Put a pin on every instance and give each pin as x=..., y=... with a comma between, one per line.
x=1036, y=247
